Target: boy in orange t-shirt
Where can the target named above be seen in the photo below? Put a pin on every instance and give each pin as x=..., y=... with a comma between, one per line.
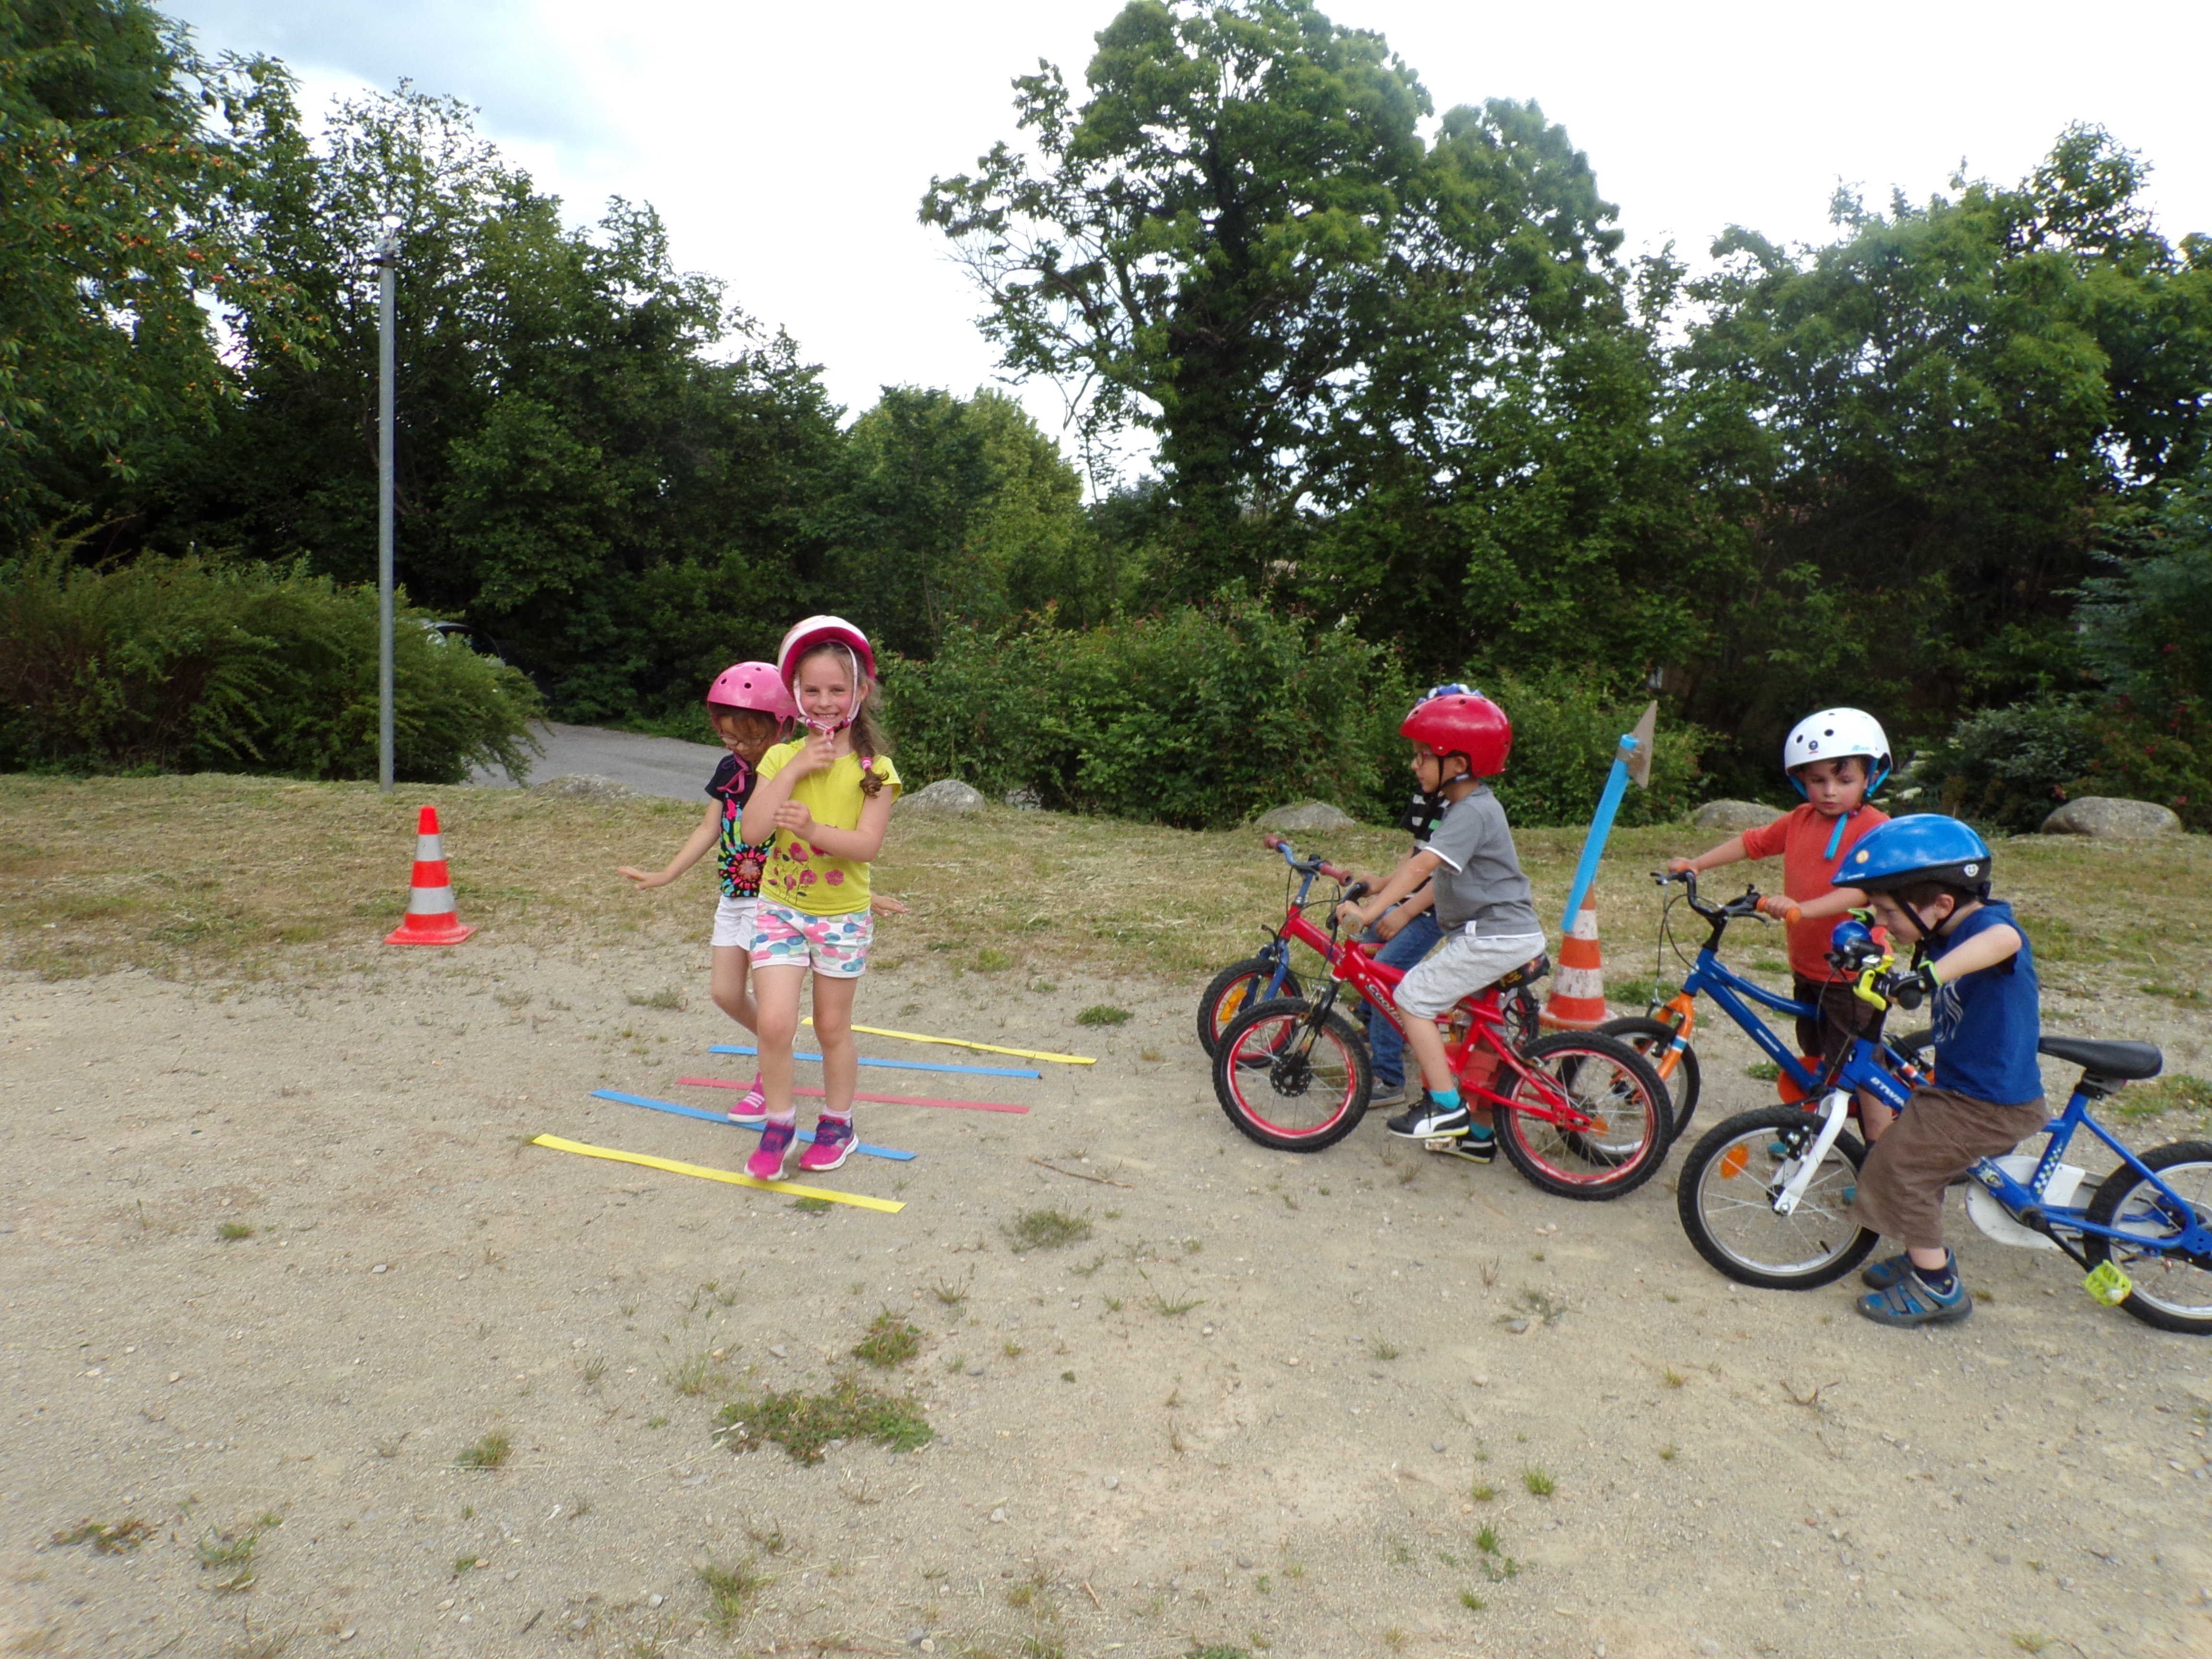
x=1835, y=759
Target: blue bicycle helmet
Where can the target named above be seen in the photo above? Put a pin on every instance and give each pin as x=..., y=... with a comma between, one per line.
x=1926, y=847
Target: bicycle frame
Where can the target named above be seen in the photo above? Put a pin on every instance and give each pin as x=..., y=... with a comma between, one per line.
x=1349, y=965
x=2023, y=1201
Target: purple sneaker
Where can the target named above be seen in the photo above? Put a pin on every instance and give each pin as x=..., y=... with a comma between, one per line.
x=752, y=1109
x=833, y=1145
x=766, y=1164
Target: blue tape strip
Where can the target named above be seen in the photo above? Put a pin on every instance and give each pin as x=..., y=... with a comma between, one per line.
x=895, y=1065
x=806, y=1135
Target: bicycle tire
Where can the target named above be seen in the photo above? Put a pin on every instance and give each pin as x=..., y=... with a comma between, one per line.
x=1233, y=990
x=1627, y=1095
x=1649, y=1037
x=2171, y=1292
x=1823, y=1241
x=1254, y=1077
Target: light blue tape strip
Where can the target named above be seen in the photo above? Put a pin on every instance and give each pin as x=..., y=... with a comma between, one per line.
x=806, y=1135
x=895, y=1065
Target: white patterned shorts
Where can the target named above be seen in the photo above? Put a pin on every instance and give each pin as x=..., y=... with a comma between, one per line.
x=734, y=922
x=836, y=946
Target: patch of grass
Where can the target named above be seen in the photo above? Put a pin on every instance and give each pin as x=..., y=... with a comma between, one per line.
x=1543, y=1305
x=466, y=1563
x=594, y=1368
x=2030, y=1641
x=231, y=1231
x=1539, y=1484
x=1105, y=1013
x=489, y=1453
x=1471, y=1601
x=1671, y=1378
x=1486, y=1540
x=991, y=961
x=1382, y=1350
x=1011, y=1349
x=951, y=1294
x=228, y=1556
x=1670, y=1452
x=666, y=997
x=2177, y=1091
x=1178, y=1308
x=1046, y=1229
x=1112, y=1303
x=1216, y=1651
x=812, y=1206
x=803, y=1423
x=1067, y=1376
x=695, y=1375
x=1765, y=1071
x=890, y=1342
x=730, y=1591
x=1482, y=1491
x=109, y=1537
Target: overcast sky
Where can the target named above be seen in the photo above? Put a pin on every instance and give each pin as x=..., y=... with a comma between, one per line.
x=786, y=146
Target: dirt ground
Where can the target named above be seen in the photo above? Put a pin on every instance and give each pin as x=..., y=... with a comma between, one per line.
x=1291, y=1405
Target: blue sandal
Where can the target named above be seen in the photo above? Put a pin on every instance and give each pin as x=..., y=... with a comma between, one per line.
x=1910, y=1302
x=1883, y=1274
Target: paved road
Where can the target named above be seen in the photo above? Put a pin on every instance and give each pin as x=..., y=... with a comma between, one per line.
x=652, y=766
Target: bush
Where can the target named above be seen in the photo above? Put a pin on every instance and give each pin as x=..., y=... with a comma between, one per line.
x=2010, y=767
x=1565, y=730
x=181, y=664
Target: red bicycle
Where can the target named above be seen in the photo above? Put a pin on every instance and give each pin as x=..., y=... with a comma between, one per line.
x=1579, y=1115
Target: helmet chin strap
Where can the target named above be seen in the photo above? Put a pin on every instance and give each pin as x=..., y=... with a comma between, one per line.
x=831, y=728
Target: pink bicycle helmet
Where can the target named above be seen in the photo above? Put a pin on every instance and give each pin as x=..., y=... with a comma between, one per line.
x=822, y=630
x=753, y=685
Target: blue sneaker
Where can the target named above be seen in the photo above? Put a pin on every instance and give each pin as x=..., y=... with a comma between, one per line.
x=1883, y=1274
x=1910, y=1302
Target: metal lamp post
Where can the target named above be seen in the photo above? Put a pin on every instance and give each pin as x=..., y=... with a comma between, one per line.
x=388, y=262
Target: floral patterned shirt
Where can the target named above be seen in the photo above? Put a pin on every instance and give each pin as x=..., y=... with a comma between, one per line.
x=738, y=860
x=800, y=875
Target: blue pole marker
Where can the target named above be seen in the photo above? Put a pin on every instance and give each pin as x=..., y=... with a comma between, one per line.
x=806, y=1135
x=893, y=1065
x=1632, y=759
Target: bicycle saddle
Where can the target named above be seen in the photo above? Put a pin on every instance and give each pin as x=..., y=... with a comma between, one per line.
x=1535, y=968
x=2119, y=1060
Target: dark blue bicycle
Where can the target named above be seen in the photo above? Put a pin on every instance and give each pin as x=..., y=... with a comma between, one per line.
x=1767, y=1196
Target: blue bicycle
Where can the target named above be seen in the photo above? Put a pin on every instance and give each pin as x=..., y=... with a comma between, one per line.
x=1662, y=1033
x=1766, y=1197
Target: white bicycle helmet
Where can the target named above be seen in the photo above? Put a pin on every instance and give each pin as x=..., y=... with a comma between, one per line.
x=1832, y=734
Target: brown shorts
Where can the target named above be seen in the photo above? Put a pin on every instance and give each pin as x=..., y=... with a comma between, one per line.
x=1844, y=1017
x=1936, y=1138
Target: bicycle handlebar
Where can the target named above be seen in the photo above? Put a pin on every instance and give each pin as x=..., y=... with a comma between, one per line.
x=1746, y=906
x=1275, y=843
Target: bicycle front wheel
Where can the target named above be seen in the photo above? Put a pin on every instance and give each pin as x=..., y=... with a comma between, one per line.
x=1726, y=1197
x=2173, y=1292
x=1233, y=990
x=1292, y=1077
x=1651, y=1038
x=1595, y=1123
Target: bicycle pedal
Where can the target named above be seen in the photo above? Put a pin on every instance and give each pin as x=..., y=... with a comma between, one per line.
x=2108, y=1284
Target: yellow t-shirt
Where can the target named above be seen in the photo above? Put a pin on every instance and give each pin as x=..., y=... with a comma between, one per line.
x=801, y=876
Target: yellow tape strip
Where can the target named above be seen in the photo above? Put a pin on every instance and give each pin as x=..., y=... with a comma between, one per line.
x=860, y=1200
x=962, y=1043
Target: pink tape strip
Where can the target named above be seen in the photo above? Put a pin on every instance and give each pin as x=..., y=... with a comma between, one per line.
x=878, y=1100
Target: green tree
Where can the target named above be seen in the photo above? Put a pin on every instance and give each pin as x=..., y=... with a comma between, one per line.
x=121, y=237
x=1241, y=241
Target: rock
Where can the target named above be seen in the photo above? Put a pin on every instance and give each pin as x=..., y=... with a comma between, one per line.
x=2107, y=818
x=999, y=1515
x=1314, y=815
x=1736, y=815
x=583, y=785
x=1025, y=799
x=947, y=796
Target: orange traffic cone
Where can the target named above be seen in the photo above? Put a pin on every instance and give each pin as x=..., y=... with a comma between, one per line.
x=432, y=916
x=1578, y=989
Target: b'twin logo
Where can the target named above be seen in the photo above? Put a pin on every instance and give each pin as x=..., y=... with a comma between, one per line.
x=1971, y=869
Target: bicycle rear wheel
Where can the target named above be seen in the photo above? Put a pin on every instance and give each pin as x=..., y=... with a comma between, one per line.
x=1292, y=1077
x=1603, y=1080
x=1651, y=1038
x=1726, y=1199
x=2173, y=1292
x=1233, y=990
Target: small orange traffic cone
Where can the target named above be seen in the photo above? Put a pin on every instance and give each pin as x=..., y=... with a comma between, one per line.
x=1578, y=1000
x=432, y=916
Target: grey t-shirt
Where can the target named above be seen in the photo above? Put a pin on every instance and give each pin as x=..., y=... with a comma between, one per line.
x=1481, y=879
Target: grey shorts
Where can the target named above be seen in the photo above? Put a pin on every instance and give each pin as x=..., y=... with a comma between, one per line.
x=1460, y=966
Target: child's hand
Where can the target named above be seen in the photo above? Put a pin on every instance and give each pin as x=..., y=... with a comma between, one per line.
x=815, y=753
x=645, y=878
x=1353, y=917
x=1392, y=925
x=888, y=907
x=1782, y=910
x=1681, y=866
x=796, y=818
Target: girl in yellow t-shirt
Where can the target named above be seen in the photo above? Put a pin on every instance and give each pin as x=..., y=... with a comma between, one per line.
x=827, y=800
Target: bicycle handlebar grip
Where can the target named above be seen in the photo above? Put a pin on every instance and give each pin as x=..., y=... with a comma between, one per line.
x=1332, y=872
x=1354, y=893
x=1793, y=914
x=1271, y=841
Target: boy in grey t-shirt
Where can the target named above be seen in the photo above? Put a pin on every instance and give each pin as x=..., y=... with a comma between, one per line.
x=1482, y=900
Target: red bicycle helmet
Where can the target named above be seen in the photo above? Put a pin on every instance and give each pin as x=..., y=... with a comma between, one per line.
x=753, y=685
x=1464, y=723
x=822, y=630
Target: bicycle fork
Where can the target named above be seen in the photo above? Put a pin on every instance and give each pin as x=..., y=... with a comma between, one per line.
x=1798, y=1173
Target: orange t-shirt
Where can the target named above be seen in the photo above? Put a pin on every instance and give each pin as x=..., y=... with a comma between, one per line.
x=1811, y=849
